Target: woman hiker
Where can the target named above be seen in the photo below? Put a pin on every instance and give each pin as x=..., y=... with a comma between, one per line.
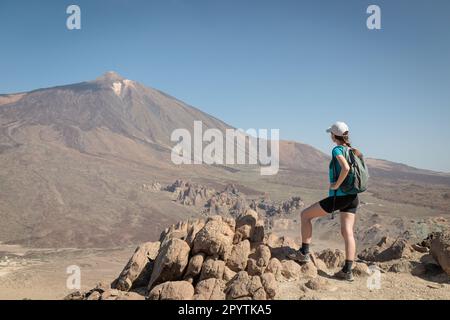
x=347, y=204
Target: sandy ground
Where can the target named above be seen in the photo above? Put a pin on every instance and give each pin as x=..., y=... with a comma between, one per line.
x=42, y=274
x=393, y=286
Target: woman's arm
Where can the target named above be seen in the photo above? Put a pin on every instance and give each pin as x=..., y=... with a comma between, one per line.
x=345, y=168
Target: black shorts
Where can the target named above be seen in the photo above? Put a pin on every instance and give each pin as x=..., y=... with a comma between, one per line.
x=347, y=203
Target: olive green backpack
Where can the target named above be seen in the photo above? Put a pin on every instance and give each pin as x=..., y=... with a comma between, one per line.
x=358, y=176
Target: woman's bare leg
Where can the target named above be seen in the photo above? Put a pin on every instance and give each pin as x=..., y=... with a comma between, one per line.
x=347, y=223
x=306, y=216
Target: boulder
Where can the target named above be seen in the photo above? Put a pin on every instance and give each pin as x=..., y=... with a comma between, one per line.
x=270, y=284
x=230, y=222
x=131, y=296
x=427, y=241
x=245, y=225
x=401, y=266
x=228, y=274
x=258, y=233
x=193, y=229
x=318, y=263
x=258, y=261
x=185, y=230
x=385, y=242
x=398, y=250
x=309, y=270
x=419, y=269
x=237, y=260
x=289, y=242
x=275, y=267
x=320, y=283
x=281, y=247
x=175, y=231
x=290, y=270
x=139, y=268
x=172, y=290
x=370, y=254
x=430, y=265
x=272, y=240
x=360, y=269
x=95, y=295
x=172, y=260
x=194, y=267
x=212, y=268
x=215, y=238
x=76, y=295
x=111, y=294
x=332, y=258
x=440, y=250
x=210, y=289
x=387, y=250
x=237, y=288
x=243, y=286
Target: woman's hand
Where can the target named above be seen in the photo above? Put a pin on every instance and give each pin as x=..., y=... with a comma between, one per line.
x=333, y=186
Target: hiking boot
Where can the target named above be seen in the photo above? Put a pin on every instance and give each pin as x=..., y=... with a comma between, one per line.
x=299, y=256
x=342, y=275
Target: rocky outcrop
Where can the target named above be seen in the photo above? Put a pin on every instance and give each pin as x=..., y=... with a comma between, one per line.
x=219, y=258
x=440, y=250
x=428, y=258
x=227, y=202
x=276, y=209
x=190, y=194
x=399, y=249
x=139, y=268
x=387, y=250
x=215, y=258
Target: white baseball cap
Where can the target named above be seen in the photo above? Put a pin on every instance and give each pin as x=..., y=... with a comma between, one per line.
x=338, y=128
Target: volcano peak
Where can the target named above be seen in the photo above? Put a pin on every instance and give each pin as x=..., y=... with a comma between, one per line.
x=110, y=76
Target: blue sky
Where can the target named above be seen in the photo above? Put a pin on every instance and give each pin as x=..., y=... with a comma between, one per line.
x=293, y=65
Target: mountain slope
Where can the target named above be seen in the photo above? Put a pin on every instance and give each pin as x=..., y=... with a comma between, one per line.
x=110, y=102
x=74, y=158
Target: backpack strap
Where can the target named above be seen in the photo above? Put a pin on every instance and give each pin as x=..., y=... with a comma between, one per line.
x=333, y=160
